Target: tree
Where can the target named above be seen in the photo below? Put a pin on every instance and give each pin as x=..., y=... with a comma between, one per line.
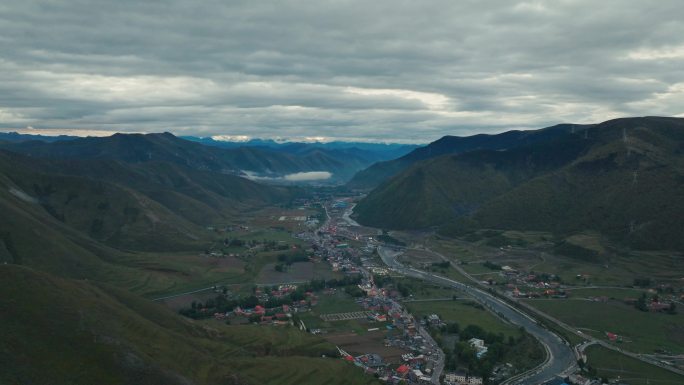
x=672, y=309
x=641, y=303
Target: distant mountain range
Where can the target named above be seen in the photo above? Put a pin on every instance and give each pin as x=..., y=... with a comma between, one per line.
x=623, y=178
x=260, y=158
x=384, y=150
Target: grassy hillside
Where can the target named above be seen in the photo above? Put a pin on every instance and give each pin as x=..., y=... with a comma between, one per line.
x=80, y=332
x=438, y=191
x=623, y=178
x=631, y=191
x=148, y=206
x=117, y=222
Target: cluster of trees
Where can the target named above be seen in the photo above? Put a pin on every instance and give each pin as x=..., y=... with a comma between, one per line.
x=390, y=240
x=387, y=281
x=235, y=242
x=642, y=282
x=464, y=357
x=320, y=284
x=491, y=265
x=545, y=277
x=590, y=371
x=286, y=260
x=221, y=304
x=643, y=301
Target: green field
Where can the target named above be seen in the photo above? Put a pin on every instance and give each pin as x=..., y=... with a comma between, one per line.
x=642, y=332
x=172, y=273
x=477, y=268
x=616, y=293
x=423, y=290
x=612, y=364
x=336, y=303
x=464, y=314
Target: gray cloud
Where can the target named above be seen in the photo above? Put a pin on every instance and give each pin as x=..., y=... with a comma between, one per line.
x=381, y=70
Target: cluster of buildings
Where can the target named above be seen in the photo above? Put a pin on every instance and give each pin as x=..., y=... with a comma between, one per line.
x=277, y=315
x=534, y=286
x=479, y=346
x=461, y=379
x=272, y=316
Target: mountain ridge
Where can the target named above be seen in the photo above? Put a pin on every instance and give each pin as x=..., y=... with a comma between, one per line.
x=591, y=189
x=382, y=171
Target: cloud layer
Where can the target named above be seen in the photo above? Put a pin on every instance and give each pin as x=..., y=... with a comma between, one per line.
x=381, y=70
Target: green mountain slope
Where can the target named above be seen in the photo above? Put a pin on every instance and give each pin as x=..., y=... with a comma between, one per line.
x=147, y=206
x=631, y=191
x=92, y=219
x=625, y=179
x=60, y=331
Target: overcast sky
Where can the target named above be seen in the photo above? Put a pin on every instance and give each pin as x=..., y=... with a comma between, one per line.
x=372, y=70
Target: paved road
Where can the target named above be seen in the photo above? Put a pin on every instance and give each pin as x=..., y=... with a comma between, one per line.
x=561, y=357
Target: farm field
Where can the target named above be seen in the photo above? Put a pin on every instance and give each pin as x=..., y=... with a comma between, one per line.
x=418, y=257
x=176, y=272
x=616, y=293
x=611, y=364
x=535, y=252
x=422, y=290
x=478, y=268
x=339, y=302
x=297, y=273
x=642, y=332
x=370, y=342
x=464, y=314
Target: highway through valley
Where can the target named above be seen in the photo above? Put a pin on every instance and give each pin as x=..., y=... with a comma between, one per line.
x=560, y=357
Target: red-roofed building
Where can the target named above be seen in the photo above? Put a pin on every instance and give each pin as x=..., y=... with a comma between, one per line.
x=403, y=369
x=258, y=309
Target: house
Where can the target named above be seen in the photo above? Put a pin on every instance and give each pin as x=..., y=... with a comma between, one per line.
x=658, y=306
x=461, y=379
x=476, y=343
x=434, y=320
x=479, y=346
x=402, y=370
